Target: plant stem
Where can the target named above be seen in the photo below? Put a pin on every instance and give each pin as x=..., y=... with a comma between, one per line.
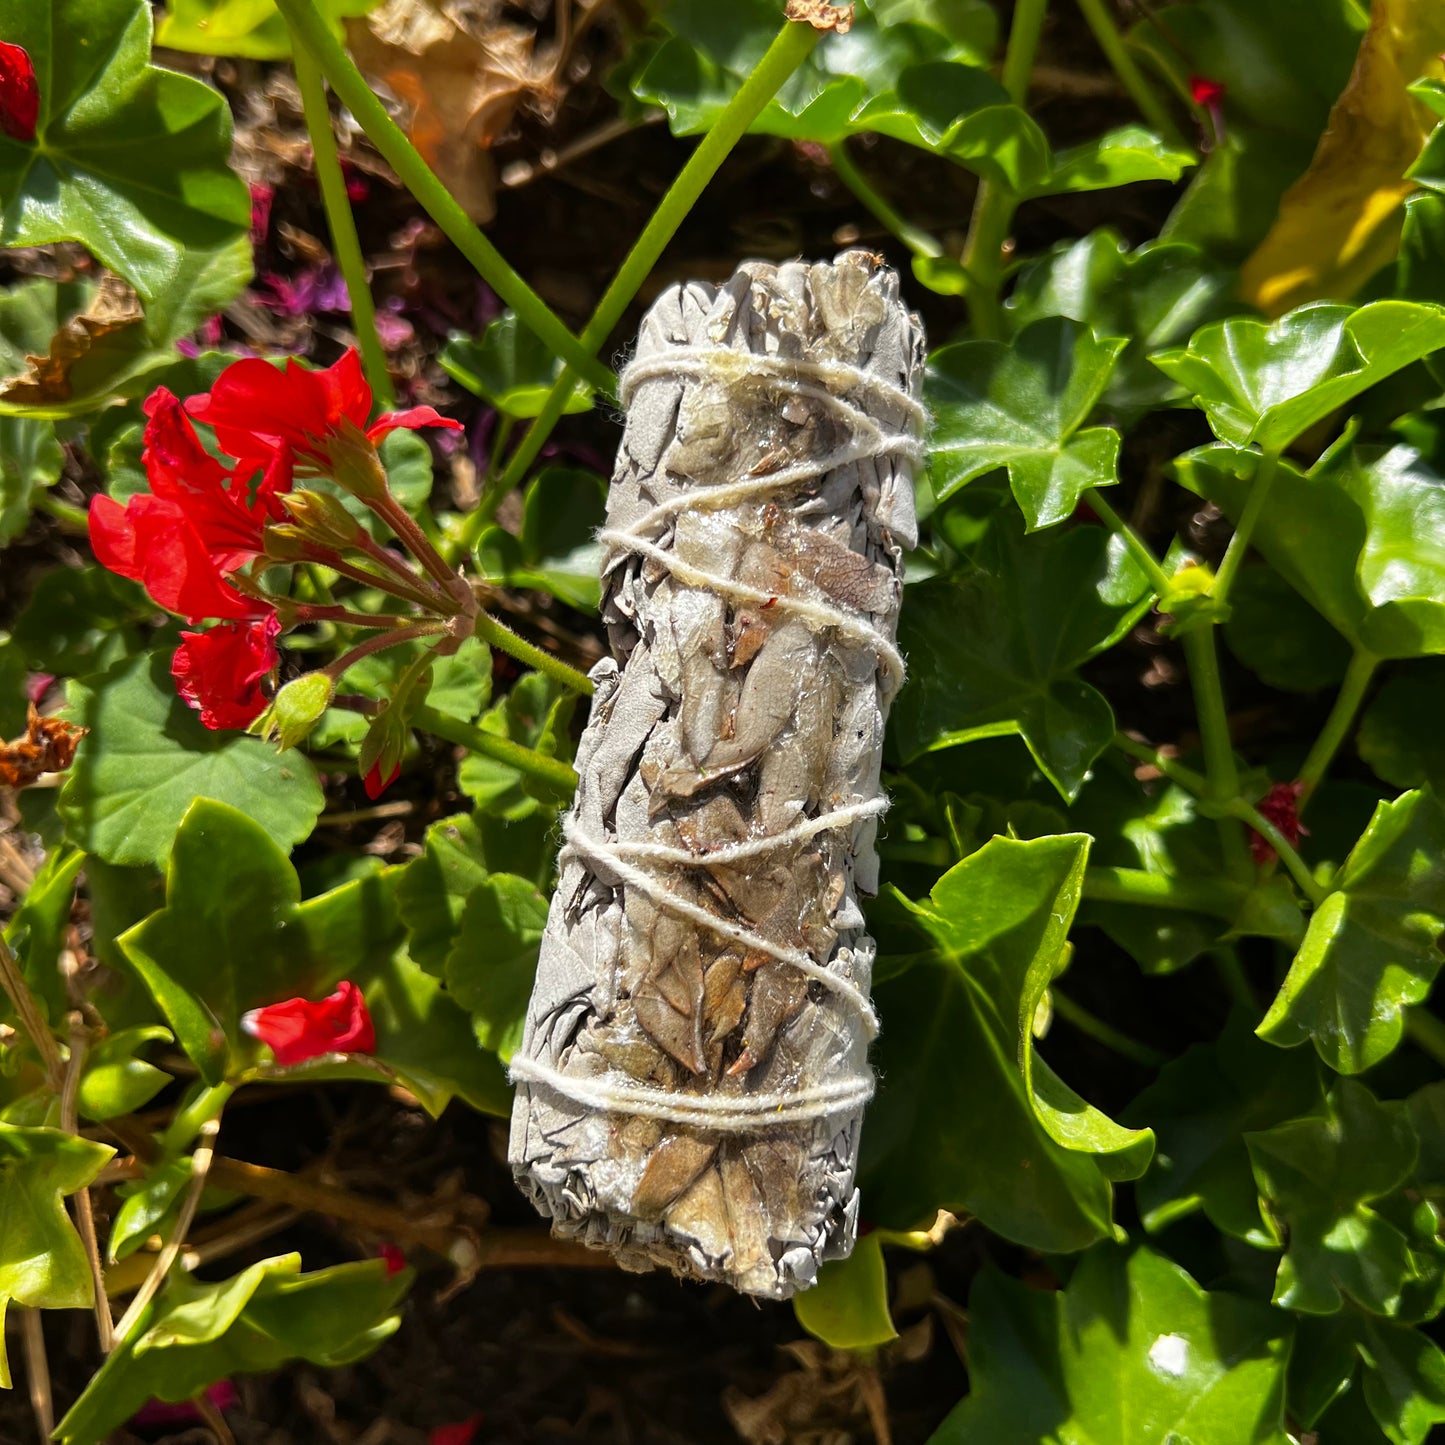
x=1231, y=971
x=397, y=567
x=184, y=1127
x=1217, y=897
x=994, y=204
x=345, y=244
x=314, y=612
x=407, y=531
x=1220, y=768
x=498, y=635
x=71, y=518
x=1106, y=1034
x=37, y=1371
x=392, y=583
x=791, y=46
x=1298, y=868
x=1426, y=1032
x=918, y=241
x=1337, y=725
x=1264, y=475
x=351, y=88
x=1141, y=551
x=551, y=771
x=1153, y=110
x=12, y=981
x=379, y=643
x=200, y=1168
x=1196, y=783
x=84, y=1214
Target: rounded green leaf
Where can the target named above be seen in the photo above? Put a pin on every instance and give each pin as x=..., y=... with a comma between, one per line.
x=848, y=1307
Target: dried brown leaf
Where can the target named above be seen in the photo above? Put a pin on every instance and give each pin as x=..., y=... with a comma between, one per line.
x=47, y=378
x=47, y=746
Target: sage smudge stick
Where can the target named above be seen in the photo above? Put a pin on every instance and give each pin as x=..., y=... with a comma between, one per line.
x=693, y=1074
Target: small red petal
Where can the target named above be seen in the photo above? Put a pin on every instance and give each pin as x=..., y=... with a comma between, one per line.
x=299, y=1029
x=392, y=1254
x=417, y=416
x=461, y=1433
x=376, y=782
x=1206, y=92
x=19, y=94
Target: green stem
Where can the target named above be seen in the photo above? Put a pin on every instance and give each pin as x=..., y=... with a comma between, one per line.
x=1298, y=868
x=1105, y=1034
x=351, y=88
x=1264, y=475
x=1141, y=551
x=994, y=204
x=918, y=241
x=1231, y=972
x=1153, y=110
x=1196, y=783
x=498, y=635
x=337, y=669
x=1426, y=1032
x=1220, y=768
x=187, y=1123
x=71, y=518
x=1217, y=897
x=551, y=771
x=792, y=45
x=345, y=245
x=1337, y=725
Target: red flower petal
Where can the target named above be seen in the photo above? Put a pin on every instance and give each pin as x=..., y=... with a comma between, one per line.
x=1279, y=806
x=219, y=672
x=376, y=783
x=392, y=1254
x=19, y=94
x=298, y=1029
x=152, y=541
x=417, y=416
x=1206, y=92
x=461, y=1433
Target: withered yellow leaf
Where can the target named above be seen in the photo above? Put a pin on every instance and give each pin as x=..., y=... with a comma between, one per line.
x=1340, y=222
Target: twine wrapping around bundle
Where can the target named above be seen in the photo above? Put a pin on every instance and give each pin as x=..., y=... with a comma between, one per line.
x=694, y=1069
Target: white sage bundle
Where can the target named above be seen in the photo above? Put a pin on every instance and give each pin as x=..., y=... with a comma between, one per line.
x=694, y=1069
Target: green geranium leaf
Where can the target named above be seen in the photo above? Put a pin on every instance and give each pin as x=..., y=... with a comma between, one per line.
x=42, y=1261
x=1132, y=1350
x=557, y=551
x=83, y=620
x=1002, y=642
x=235, y=935
x=106, y=114
x=1275, y=633
x=1404, y=1380
x=252, y=29
x=1200, y=1107
x=148, y=758
x=1420, y=272
x=910, y=74
x=848, y=1307
x=1155, y=295
x=146, y=1203
x=431, y=891
x=30, y=461
x=1373, y=945
x=199, y=1333
x=1265, y=384
x=508, y=366
x=958, y=1025
x=1117, y=158
x=1399, y=734
x=1317, y=1177
x=1354, y=537
x=1021, y=406
x=493, y=959
x=37, y=932
x=115, y=1080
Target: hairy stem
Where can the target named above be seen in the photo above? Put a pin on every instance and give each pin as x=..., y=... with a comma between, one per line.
x=1264, y=475
x=1096, y=13
x=551, y=771
x=1220, y=767
x=1338, y=724
x=789, y=49
x=379, y=643
x=345, y=245
x=350, y=86
x=500, y=636
x=1139, y=549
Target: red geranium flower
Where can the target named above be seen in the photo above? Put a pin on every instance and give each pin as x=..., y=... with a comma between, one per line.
x=298, y=1029
x=219, y=672
x=269, y=419
x=19, y=94
x=196, y=524
x=1279, y=806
